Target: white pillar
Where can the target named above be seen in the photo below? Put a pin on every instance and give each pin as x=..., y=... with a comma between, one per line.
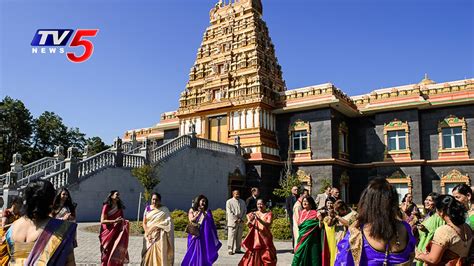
x=198, y=125
x=252, y=113
x=238, y=120
x=265, y=119
x=242, y=119
x=231, y=121
x=257, y=117
x=248, y=118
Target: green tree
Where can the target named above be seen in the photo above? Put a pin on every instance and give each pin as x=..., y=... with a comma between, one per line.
x=76, y=138
x=149, y=177
x=17, y=128
x=50, y=132
x=286, y=183
x=287, y=180
x=96, y=145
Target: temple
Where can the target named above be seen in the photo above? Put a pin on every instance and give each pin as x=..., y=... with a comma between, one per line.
x=417, y=135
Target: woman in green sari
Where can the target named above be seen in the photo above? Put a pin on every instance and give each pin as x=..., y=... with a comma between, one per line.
x=431, y=222
x=463, y=194
x=308, y=249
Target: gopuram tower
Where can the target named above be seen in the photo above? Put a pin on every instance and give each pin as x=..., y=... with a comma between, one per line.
x=234, y=82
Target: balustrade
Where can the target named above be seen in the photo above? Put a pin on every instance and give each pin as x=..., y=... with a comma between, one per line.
x=96, y=162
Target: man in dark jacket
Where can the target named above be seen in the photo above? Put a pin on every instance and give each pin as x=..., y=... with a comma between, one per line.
x=252, y=200
x=290, y=201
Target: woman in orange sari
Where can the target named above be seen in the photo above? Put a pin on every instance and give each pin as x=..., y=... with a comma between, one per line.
x=113, y=232
x=259, y=240
x=8, y=217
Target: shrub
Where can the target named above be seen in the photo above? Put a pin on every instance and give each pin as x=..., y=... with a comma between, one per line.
x=219, y=218
x=281, y=229
x=178, y=213
x=136, y=228
x=278, y=212
x=180, y=219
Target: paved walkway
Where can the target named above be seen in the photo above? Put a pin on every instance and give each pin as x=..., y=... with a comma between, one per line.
x=88, y=251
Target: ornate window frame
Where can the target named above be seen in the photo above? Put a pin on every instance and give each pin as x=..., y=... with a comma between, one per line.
x=305, y=179
x=397, y=155
x=343, y=133
x=344, y=182
x=452, y=153
x=300, y=125
x=453, y=176
x=398, y=177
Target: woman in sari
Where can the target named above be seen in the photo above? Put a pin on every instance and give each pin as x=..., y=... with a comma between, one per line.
x=345, y=216
x=431, y=222
x=9, y=216
x=463, y=194
x=203, y=247
x=377, y=237
x=451, y=242
x=36, y=238
x=308, y=249
x=259, y=240
x=329, y=233
x=410, y=211
x=159, y=234
x=113, y=233
x=63, y=207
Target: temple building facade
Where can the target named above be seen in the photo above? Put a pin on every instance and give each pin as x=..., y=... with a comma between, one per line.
x=419, y=136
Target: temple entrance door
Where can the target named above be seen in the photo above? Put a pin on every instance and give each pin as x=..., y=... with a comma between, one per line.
x=218, y=130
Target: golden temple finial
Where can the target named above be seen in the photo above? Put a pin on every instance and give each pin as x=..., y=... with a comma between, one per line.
x=426, y=80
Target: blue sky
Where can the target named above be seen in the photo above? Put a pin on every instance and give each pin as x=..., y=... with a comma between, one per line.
x=145, y=48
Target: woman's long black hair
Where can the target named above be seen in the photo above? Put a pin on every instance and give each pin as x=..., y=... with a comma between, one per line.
x=108, y=200
x=378, y=207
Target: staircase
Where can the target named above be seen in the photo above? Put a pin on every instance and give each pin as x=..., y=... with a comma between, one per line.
x=64, y=172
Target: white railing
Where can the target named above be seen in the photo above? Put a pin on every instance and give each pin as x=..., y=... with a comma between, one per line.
x=37, y=166
x=4, y=178
x=58, y=179
x=168, y=148
x=215, y=146
x=24, y=180
x=96, y=162
x=134, y=150
x=133, y=161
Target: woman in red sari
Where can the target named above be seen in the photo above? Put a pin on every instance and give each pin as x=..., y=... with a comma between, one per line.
x=259, y=240
x=113, y=232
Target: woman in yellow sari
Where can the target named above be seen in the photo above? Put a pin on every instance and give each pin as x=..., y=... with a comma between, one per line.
x=159, y=234
x=329, y=237
x=8, y=217
x=36, y=238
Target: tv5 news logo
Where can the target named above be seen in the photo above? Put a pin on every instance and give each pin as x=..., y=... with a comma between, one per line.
x=60, y=37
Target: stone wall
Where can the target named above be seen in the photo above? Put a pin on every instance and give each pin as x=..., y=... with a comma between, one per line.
x=187, y=174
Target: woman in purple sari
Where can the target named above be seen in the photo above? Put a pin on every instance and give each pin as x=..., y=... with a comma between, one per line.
x=377, y=237
x=36, y=238
x=203, y=247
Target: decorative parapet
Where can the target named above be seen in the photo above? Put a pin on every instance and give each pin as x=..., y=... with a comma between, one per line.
x=424, y=94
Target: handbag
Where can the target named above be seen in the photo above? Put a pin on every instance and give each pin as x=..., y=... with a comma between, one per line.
x=192, y=228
